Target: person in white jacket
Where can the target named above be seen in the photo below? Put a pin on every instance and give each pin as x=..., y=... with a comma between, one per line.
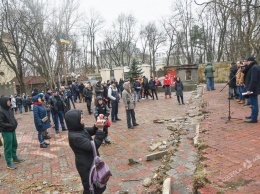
x=114, y=96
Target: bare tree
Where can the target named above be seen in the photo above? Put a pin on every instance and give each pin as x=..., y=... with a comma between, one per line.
x=155, y=39
x=120, y=43
x=94, y=23
x=12, y=40
x=171, y=33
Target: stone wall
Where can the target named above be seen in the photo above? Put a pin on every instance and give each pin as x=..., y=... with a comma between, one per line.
x=221, y=72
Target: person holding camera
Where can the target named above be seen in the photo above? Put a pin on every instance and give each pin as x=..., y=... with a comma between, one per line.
x=102, y=111
x=80, y=138
x=129, y=106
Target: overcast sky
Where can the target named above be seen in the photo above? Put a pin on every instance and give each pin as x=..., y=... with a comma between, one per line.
x=143, y=10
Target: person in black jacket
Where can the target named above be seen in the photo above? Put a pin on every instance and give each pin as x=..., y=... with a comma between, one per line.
x=87, y=93
x=19, y=103
x=252, y=80
x=101, y=108
x=81, y=88
x=57, y=107
x=8, y=125
x=179, y=90
x=25, y=105
x=80, y=138
x=153, y=87
x=137, y=89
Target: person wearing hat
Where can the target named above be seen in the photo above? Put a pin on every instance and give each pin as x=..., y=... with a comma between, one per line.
x=57, y=108
x=41, y=120
x=114, y=96
x=87, y=93
x=99, y=90
x=252, y=80
x=101, y=109
x=8, y=125
x=209, y=74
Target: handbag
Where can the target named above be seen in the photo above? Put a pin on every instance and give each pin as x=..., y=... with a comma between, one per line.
x=108, y=123
x=44, y=119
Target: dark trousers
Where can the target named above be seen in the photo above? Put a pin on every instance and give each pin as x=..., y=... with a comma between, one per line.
x=41, y=136
x=49, y=115
x=130, y=114
x=88, y=102
x=146, y=93
x=10, y=146
x=254, y=108
x=180, y=97
x=154, y=93
x=56, y=117
x=114, y=110
x=75, y=96
x=20, y=107
x=25, y=108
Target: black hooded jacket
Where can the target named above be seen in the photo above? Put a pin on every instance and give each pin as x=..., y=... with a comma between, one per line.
x=7, y=121
x=80, y=143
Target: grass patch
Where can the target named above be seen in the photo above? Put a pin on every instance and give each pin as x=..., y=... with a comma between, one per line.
x=200, y=178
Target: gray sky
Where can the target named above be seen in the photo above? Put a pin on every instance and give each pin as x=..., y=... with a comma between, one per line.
x=143, y=10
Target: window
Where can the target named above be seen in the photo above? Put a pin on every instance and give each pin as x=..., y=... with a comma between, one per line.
x=188, y=75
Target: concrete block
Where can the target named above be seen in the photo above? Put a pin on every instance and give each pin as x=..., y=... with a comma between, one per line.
x=167, y=186
x=155, y=146
x=156, y=155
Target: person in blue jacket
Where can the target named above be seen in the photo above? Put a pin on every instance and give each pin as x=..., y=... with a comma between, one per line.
x=41, y=120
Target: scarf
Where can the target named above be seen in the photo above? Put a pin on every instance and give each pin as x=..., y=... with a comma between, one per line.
x=37, y=103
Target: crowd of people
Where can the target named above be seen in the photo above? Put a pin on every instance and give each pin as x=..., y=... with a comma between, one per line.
x=244, y=85
x=57, y=107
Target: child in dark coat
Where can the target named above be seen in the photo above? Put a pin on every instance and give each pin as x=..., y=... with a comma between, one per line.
x=101, y=109
x=80, y=142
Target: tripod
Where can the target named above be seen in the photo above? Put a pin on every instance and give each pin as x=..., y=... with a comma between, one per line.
x=229, y=98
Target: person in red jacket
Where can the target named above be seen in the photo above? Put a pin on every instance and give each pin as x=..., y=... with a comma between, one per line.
x=167, y=86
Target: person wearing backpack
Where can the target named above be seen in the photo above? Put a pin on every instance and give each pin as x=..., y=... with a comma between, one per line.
x=80, y=138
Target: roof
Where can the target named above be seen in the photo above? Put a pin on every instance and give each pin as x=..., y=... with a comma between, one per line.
x=30, y=80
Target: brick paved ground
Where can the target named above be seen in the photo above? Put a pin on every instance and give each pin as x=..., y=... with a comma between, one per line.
x=233, y=155
x=53, y=169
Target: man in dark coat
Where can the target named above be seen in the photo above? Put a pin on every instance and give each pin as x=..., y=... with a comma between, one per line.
x=87, y=93
x=8, y=125
x=81, y=88
x=252, y=81
x=80, y=142
x=57, y=107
